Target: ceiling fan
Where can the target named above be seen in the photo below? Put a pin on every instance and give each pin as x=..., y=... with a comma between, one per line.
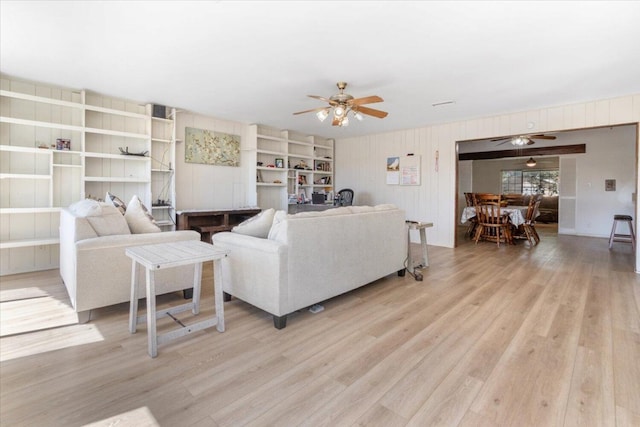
x=520, y=140
x=342, y=104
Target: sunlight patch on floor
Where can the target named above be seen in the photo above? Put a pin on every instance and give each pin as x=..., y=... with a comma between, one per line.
x=140, y=417
x=43, y=341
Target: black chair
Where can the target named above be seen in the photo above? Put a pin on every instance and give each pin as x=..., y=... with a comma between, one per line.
x=344, y=197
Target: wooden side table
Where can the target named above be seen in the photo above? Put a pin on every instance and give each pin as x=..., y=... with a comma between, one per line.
x=424, y=262
x=169, y=255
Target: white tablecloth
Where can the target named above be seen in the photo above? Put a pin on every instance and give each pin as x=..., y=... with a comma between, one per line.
x=516, y=213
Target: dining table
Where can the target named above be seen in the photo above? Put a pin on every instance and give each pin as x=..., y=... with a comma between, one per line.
x=517, y=214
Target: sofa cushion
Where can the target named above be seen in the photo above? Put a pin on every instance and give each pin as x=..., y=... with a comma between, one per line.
x=256, y=226
x=109, y=223
x=116, y=202
x=139, y=219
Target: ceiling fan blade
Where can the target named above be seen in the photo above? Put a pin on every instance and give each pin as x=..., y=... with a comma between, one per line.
x=366, y=100
x=530, y=141
x=542, y=137
x=503, y=142
x=499, y=139
x=312, y=110
x=371, y=112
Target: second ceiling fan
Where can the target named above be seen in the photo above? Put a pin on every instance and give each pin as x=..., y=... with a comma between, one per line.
x=520, y=140
x=342, y=104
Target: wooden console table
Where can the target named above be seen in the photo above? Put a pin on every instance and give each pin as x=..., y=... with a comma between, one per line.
x=208, y=222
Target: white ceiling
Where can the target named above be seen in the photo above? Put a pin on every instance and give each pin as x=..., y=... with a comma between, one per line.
x=255, y=62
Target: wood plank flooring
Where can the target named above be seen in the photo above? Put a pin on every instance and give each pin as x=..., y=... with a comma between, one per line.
x=510, y=336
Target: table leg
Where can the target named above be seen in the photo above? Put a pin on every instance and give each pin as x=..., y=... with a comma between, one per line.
x=197, y=280
x=152, y=337
x=423, y=242
x=217, y=292
x=133, y=307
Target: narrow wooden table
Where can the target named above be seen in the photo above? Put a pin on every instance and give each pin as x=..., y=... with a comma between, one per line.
x=424, y=262
x=208, y=222
x=169, y=255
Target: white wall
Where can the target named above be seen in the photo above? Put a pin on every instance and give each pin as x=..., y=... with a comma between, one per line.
x=200, y=186
x=487, y=177
x=360, y=161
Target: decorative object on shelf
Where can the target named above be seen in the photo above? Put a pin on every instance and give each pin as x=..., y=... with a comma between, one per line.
x=302, y=165
x=259, y=176
x=63, y=144
x=211, y=148
x=126, y=152
x=159, y=111
x=280, y=163
x=342, y=104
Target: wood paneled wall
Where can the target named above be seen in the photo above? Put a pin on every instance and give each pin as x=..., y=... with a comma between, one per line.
x=360, y=162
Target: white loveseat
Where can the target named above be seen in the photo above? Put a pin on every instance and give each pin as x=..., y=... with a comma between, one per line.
x=313, y=256
x=93, y=264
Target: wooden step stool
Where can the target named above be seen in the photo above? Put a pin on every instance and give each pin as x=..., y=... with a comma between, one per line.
x=617, y=237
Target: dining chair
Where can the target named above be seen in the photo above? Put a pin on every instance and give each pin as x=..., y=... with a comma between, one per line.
x=473, y=221
x=493, y=225
x=530, y=219
x=344, y=197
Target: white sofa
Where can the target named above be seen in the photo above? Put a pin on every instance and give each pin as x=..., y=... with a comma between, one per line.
x=93, y=264
x=313, y=256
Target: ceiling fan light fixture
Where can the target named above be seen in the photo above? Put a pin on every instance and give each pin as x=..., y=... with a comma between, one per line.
x=519, y=140
x=343, y=105
x=322, y=114
x=531, y=162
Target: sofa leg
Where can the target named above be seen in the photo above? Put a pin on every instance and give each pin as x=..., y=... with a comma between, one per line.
x=402, y=272
x=188, y=293
x=280, y=321
x=84, y=316
x=226, y=297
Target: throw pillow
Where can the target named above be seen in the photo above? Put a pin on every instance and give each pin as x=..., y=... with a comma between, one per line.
x=86, y=207
x=256, y=226
x=116, y=201
x=139, y=219
x=278, y=231
x=110, y=222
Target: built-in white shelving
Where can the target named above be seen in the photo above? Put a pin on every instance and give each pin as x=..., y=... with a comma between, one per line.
x=298, y=155
x=37, y=180
x=163, y=155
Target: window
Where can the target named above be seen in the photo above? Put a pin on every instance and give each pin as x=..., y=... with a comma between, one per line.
x=530, y=182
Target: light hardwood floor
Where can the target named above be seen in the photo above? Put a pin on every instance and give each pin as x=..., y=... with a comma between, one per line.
x=509, y=336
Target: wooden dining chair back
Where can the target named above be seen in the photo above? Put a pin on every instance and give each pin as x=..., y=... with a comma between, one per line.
x=530, y=219
x=473, y=221
x=493, y=225
x=468, y=198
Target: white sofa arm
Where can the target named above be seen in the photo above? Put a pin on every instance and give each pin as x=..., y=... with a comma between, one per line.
x=102, y=273
x=256, y=271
